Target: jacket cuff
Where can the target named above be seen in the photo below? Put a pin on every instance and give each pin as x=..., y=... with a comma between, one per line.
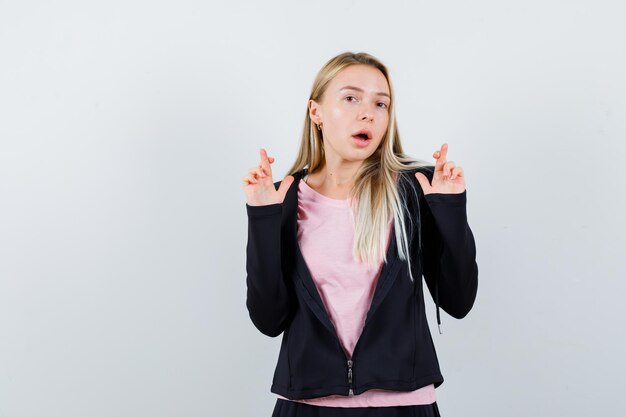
x=262, y=211
x=447, y=199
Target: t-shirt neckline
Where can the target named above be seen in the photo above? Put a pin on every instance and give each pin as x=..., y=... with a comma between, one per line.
x=317, y=196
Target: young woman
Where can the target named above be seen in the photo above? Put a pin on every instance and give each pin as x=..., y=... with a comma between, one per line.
x=337, y=249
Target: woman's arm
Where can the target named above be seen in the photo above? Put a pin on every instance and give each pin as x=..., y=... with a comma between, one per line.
x=449, y=252
x=267, y=295
x=449, y=257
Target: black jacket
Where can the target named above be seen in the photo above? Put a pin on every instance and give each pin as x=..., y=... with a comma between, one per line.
x=395, y=350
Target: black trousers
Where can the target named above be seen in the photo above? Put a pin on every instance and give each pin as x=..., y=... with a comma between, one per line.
x=286, y=408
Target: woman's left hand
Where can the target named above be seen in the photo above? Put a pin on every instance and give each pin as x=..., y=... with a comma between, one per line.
x=447, y=178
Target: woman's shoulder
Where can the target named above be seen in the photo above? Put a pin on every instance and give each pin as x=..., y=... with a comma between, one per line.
x=427, y=170
x=407, y=175
x=296, y=175
x=409, y=187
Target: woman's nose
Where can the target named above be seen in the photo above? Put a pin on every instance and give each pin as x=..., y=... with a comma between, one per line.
x=367, y=114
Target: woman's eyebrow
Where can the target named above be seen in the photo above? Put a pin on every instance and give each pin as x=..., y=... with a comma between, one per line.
x=349, y=87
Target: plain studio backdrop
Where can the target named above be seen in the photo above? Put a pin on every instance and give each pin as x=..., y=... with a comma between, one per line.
x=126, y=128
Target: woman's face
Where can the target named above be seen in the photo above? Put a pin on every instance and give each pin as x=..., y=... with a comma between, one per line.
x=355, y=101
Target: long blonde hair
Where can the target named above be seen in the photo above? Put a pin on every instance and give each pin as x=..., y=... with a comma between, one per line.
x=375, y=194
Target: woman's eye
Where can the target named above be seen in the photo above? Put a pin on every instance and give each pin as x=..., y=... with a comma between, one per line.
x=349, y=97
x=384, y=105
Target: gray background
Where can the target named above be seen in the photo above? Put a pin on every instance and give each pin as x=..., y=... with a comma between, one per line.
x=126, y=128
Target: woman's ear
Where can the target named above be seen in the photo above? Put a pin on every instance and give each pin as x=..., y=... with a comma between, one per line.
x=315, y=112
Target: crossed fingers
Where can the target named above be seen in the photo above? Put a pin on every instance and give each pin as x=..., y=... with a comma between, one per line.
x=260, y=171
x=447, y=168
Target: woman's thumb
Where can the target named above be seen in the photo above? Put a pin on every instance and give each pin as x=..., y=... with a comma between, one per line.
x=423, y=180
x=284, y=186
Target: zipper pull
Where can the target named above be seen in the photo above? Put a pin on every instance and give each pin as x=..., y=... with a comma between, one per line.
x=350, y=392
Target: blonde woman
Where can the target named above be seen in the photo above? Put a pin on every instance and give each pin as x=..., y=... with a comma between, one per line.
x=337, y=249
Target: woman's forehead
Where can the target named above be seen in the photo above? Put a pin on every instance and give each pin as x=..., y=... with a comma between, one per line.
x=364, y=78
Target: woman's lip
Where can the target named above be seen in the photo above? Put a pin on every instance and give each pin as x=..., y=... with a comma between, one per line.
x=360, y=142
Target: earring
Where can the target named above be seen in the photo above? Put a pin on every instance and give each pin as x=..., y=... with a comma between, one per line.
x=319, y=126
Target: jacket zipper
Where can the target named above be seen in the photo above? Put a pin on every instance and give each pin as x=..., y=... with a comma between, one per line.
x=350, y=391
x=350, y=361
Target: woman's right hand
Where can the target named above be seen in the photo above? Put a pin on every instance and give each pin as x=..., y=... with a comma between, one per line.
x=259, y=185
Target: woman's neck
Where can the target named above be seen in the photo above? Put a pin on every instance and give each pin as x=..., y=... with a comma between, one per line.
x=333, y=185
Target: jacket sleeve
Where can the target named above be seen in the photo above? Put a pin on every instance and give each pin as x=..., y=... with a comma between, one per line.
x=449, y=252
x=267, y=294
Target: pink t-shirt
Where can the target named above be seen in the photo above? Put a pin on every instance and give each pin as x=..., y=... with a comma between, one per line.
x=325, y=236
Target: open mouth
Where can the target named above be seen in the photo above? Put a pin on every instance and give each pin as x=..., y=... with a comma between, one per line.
x=363, y=135
x=362, y=138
